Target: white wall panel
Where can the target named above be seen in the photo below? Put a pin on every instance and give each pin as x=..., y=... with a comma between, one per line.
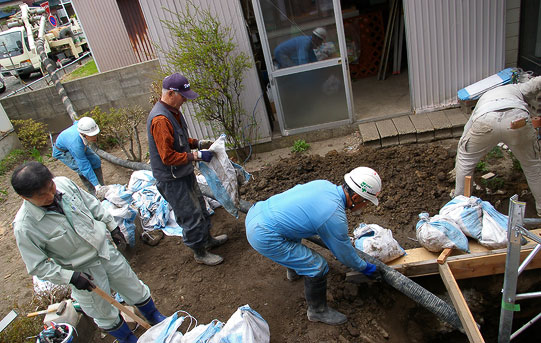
x=230, y=13
x=451, y=44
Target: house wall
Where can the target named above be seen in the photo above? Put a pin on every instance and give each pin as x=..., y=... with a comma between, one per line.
x=451, y=44
x=512, y=29
x=107, y=35
x=121, y=87
x=229, y=12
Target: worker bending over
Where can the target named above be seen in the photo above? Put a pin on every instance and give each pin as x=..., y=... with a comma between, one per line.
x=65, y=236
x=501, y=115
x=72, y=147
x=275, y=227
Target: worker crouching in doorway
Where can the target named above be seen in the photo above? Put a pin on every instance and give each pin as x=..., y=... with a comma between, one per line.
x=275, y=227
x=65, y=236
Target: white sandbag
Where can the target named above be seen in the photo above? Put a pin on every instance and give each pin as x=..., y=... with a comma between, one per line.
x=140, y=179
x=222, y=177
x=440, y=232
x=467, y=213
x=244, y=326
x=164, y=332
x=494, y=233
x=202, y=333
x=377, y=242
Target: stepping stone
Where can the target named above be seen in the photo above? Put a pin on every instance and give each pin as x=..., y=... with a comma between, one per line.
x=406, y=130
x=423, y=127
x=387, y=132
x=442, y=125
x=370, y=135
x=457, y=119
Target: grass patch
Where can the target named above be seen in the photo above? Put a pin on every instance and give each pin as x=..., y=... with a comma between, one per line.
x=496, y=152
x=14, y=158
x=300, y=145
x=494, y=183
x=481, y=167
x=87, y=69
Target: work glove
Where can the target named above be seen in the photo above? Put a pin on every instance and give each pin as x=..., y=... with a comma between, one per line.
x=372, y=272
x=204, y=144
x=82, y=281
x=204, y=155
x=118, y=236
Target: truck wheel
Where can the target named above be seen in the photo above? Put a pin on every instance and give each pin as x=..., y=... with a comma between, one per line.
x=25, y=76
x=2, y=88
x=65, y=32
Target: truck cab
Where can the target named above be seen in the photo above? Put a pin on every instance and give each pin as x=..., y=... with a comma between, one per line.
x=15, y=54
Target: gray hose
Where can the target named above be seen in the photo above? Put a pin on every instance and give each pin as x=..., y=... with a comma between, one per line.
x=409, y=288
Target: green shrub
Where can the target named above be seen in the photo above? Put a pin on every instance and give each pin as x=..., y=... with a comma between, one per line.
x=299, y=146
x=31, y=133
x=481, y=167
x=494, y=183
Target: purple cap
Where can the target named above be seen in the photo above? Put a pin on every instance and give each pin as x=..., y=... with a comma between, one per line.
x=179, y=83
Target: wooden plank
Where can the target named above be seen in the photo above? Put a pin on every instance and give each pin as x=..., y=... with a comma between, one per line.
x=444, y=254
x=464, y=313
x=467, y=186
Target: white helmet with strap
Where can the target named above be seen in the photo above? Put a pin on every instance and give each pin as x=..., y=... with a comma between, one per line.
x=87, y=126
x=365, y=182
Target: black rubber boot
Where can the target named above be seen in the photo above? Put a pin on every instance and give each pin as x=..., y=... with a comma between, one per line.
x=292, y=275
x=89, y=186
x=315, y=290
x=214, y=242
x=99, y=175
x=202, y=256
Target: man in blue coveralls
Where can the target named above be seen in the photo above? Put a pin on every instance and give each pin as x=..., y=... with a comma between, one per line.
x=72, y=148
x=275, y=227
x=299, y=50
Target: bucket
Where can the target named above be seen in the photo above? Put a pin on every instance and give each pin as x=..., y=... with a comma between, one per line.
x=56, y=333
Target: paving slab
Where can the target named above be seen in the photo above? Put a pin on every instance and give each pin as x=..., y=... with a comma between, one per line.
x=442, y=125
x=406, y=130
x=458, y=119
x=370, y=134
x=423, y=127
x=387, y=132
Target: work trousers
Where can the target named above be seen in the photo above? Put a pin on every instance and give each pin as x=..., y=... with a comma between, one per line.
x=487, y=130
x=66, y=158
x=186, y=200
x=290, y=253
x=115, y=274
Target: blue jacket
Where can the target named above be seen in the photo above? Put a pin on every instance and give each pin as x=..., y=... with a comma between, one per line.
x=70, y=140
x=314, y=208
x=295, y=51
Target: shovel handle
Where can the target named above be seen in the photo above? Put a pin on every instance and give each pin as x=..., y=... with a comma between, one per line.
x=121, y=307
x=33, y=314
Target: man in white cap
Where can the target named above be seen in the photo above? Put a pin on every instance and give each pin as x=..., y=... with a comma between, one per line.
x=299, y=50
x=72, y=148
x=276, y=226
x=171, y=159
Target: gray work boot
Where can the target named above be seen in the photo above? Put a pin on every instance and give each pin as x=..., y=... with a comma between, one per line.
x=315, y=290
x=202, y=256
x=214, y=242
x=292, y=275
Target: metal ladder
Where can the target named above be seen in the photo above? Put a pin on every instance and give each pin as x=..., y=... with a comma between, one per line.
x=513, y=268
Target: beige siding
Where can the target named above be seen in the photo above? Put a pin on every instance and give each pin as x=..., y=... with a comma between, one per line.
x=106, y=33
x=230, y=13
x=451, y=44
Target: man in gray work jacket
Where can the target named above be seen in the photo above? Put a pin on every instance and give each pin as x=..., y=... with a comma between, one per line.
x=65, y=236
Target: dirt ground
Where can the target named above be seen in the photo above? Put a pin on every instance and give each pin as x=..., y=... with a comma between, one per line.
x=415, y=179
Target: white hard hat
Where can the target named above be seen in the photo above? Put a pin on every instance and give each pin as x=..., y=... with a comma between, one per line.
x=87, y=126
x=320, y=33
x=365, y=182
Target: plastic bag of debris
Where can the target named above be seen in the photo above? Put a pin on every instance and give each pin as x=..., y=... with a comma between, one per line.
x=494, y=233
x=440, y=232
x=378, y=242
x=246, y=326
x=164, y=332
x=467, y=212
x=224, y=177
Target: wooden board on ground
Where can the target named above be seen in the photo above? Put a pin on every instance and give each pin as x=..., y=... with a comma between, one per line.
x=479, y=262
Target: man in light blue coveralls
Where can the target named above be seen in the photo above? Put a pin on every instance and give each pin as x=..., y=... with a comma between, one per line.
x=299, y=50
x=72, y=148
x=65, y=236
x=275, y=227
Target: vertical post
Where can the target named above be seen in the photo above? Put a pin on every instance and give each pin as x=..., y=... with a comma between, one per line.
x=512, y=261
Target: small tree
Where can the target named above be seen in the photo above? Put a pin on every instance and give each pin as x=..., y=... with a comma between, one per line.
x=205, y=53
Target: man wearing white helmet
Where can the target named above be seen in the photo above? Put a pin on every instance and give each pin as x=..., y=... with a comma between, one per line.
x=276, y=226
x=72, y=148
x=299, y=50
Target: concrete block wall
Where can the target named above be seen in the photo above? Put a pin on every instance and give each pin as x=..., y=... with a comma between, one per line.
x=512, y=29
x=116, y=88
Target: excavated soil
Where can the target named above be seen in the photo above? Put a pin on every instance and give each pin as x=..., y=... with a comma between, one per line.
x=415, y=179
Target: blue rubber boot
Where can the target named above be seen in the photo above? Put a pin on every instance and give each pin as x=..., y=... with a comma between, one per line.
x=151, y=313
x=122, y=333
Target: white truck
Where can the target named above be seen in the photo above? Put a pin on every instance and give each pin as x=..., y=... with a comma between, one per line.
x=18, y=55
